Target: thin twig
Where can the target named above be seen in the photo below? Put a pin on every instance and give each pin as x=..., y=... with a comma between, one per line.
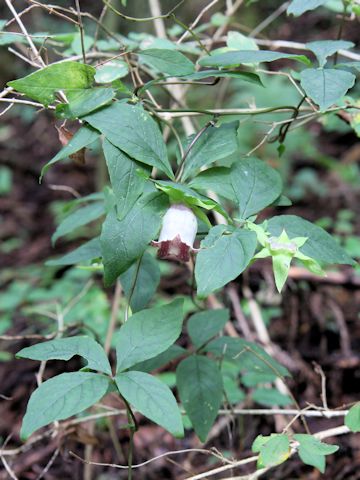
x=166, y=454
x=25, y=32
x=6, y=109
x=197, y=20
x=5, y=463
x=268, y=20
x=190, y=147
x=25, y=102
x=332, y=432
x=49, y=464
x=320, y=372
x=25, y=59
x=81, y=29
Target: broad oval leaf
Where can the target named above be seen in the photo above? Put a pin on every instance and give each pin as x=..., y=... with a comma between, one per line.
x=127, y=178
x=61, y=397
x=180, y=193
x=298, y=7
x=124, y=241
x=214, y=144
x=320, y=245
x=249, y=77
x=312, y=451
x=224, y=260
x=250, y=356
x=270, y=397
x=202, y=326
x=173, y=352
x=152, y=398
x=80, y=217
x=326, y=85
x=87, y=251
x=200, y=388
x=238, y=41
x=131, y=128
x=66, y=348
x=148, y=333
x=274, y=451
x=325, y=48
x=255, y=185
x=352, y=419
x=84, y=101
x=239, y=57
x=111, y=71
x=83, y=137
x=43, y=84
x=217, y=179
x=170, y=62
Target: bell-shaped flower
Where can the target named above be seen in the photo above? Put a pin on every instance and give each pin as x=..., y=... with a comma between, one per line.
x=177, y=234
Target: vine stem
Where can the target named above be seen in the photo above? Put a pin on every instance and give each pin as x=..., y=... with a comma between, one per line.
x=113, y=316
x=225, y=111
x=188, y=150
x=144, y=19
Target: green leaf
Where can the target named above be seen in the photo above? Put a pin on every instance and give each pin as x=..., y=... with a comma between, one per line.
x=170, y=62
x=239, y=57
x=76, y=44
x=238, y=41
x=224, y=260
x=131, y=128
x=43, y=84
x=173, y=352
x=83, y=102
x=180, y=193
x=326, y=85
x=325, y=48
x=203, y=326
x=140, y=282
x=274, y=450
x=127, y=178
x=66, y=348
x=7, y=38
x=249, y=77
x=352, y=419
x=320, y=245
x=270, y=397
x=281, y=266
x=87, y=251
x=250, y=356
x=111, y=71
x=298, y=7
x=151, y=398
x=83, y=137
x=217, y=179
x=252, y=379
x=216, y=143
x=61, y=397
x=255, y=185
x=148, y=333
x=312, y=451
x=234, y=394
x=354, y=64
x=82, y=216
x=124, y=241
x=200, y=386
